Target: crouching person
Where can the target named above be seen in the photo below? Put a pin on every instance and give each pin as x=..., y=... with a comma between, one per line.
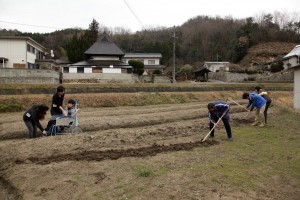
x=32, y=119
x=258, y=102
x=217, y=110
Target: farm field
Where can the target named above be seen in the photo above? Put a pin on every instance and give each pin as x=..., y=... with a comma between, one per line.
x=154, y=152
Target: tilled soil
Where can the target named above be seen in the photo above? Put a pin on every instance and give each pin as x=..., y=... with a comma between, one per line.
x=53, y=167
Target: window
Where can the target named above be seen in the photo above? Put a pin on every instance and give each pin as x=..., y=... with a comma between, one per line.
x=66, y=69
x=151, y=62
x=30, y=65
x=30, y=48
x=80, y=70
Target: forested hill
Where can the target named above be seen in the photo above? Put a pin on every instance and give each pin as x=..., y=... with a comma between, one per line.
x=200, y=39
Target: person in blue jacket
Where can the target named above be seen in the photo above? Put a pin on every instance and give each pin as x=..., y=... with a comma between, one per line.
x=258, y=102
x=216, y=110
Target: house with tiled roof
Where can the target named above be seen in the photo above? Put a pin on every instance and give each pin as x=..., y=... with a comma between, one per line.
x=106, y=62
x=102, y=57
x=292, y=61
x=151, y=61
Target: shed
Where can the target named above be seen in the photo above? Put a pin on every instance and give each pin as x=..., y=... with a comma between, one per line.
x=201, y=74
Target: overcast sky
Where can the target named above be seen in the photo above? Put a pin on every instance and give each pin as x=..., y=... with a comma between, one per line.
x=60, y=14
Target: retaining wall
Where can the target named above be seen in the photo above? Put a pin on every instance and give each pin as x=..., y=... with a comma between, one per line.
x=99, y=78
x=279, y=77
x=9, y=75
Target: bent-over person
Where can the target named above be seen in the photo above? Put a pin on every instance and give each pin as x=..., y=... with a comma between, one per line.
x=258, y=102
x=216, y=110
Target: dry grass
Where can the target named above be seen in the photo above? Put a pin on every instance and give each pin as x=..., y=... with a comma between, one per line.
x=136, y=99
x=52, y=87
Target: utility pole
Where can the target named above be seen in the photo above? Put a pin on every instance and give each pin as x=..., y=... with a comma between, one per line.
x=174, y=41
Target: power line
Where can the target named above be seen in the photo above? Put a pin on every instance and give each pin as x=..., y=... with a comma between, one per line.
x=30, y=25
x=133, y=13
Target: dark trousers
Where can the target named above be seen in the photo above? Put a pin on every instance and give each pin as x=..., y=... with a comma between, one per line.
x=32, y=129
x=266, y=110
x=50, y=124
x=226, y=124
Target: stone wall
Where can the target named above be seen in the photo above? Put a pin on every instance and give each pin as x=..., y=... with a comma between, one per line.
x=99, y=78
x=8, y=75
x=283, y=76
x=154, y=79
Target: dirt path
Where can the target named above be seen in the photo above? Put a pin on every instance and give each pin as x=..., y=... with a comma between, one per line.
x=72, y=166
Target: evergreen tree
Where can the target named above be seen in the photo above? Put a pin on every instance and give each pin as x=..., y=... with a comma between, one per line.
x=92, y=33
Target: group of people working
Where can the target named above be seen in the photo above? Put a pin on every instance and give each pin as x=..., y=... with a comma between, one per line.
x=33, y=116
x=218, y=110
x=258, y=101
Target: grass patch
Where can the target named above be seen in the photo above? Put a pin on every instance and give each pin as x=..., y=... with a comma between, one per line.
x=11, y=107
x=144, y=172
x=259, y=155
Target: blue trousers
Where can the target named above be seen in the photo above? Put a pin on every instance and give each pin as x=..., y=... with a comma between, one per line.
x=226, y=124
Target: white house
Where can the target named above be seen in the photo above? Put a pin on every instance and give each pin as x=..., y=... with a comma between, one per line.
x=20, y=52
x=291, y=61
x=103, y=57
x=151, y=60
x=216, y=66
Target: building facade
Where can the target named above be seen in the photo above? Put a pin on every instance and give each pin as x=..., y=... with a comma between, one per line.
x=216, y=66
x=151, y=61
x=292, y=61
x=20, y=52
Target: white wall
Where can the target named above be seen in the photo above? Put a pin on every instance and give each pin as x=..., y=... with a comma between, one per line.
x=111, y=71
x=145, y=60
x=106, y=58
x=73, y=70
x=88, y=70
x=297, y=88
x=32, y=56
x=293, y=62
x=14, y=50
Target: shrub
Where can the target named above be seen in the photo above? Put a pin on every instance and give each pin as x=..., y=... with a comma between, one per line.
x=157, y=71
x=277, y=66
x=138, y=66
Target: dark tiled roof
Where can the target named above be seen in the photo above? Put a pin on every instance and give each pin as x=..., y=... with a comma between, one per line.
x=202, y=69
x=104, y=46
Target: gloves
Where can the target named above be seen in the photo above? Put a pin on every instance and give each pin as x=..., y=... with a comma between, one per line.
x=45, y=133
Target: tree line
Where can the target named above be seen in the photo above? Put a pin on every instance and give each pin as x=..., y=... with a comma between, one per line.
x=201, y=38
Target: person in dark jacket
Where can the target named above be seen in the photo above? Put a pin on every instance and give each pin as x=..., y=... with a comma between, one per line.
x=71, y=112
x=216, y=111
x=57, y=102
x=258, y=102
x=32, y=119
x=265, y=95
